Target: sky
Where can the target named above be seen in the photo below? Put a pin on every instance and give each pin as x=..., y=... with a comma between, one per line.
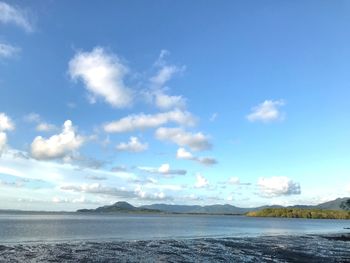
x=179, y=102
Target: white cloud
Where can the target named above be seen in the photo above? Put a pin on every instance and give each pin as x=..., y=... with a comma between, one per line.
x=158, y=91
x=165, y=73
x=186, y=155
x=201, y=181
x=8, y=51
x=6, y=124
x=348, y=188
x=19, y=164
x=57, y=146
x=195, y=141
x=96, y=188
x=278, y=186
x=103, y=75
x=267, y=111
x=165, y=102
x=134, y=145
x=183, y=154
x=119, y=192
x=45, y=127
x=79, y=200
x=150, y=196
x=146, y=121
x=14, y=15
x=3, y=141
x=32, y=117
x=161, y=59
x=164, y=169
x=41, y=126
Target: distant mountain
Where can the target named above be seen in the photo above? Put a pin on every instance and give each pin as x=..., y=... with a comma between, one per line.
x=196, y=209
x=125, y=207
x=121, y=207
x=330, y=205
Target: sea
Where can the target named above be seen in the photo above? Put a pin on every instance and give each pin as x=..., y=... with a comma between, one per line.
x=73, y=237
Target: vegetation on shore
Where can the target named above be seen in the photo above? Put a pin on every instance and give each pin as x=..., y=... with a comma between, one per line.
x=300, y=213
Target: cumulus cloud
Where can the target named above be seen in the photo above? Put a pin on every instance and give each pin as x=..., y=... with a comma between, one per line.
x=6, y=124
x=183, y=154
x=278, y=186
x=195, y=141
x=165, y=102
x=8, y=51
x=3, y=142
x=150, y=196
x=103, y=75
x=14, y=15
x=57, y=146
x=134, y=145
x=268, y=111
x=147, y=121
x=186, y=155
x=201, y=181
x=164, y=169
x=45, y=127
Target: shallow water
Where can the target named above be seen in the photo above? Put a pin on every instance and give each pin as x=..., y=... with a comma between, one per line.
x=70, y=227
x=168, y=238
x=253, y=249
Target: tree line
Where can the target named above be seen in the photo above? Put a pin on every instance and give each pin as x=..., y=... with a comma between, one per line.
x=300, y=213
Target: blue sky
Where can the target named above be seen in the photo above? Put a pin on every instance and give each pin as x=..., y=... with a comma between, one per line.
x=239, y=102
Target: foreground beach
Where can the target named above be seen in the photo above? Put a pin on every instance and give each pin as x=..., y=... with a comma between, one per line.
x=306, y=248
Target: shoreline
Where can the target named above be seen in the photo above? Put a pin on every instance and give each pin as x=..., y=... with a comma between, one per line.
x=337, y=236
x=152, y=213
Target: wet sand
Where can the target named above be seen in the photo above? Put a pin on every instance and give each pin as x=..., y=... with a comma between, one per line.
x=308, y=248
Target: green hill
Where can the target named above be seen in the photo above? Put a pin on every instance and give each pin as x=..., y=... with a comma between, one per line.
x=121, y=207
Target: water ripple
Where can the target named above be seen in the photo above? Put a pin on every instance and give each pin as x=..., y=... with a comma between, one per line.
x=308, y=249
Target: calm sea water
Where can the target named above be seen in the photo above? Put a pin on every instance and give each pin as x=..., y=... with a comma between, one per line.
x=72, y=227
x=169, y=238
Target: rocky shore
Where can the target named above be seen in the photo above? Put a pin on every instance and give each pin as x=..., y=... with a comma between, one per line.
x=308, y=248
